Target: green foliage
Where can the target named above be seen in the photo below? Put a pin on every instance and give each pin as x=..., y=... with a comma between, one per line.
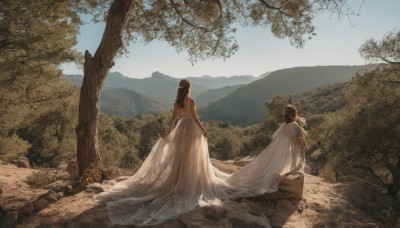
x=386, y=50
x=36, y=37
x=367, y=125
x=12, y=146
x=149, y=133
x=51, y=133
x=224, y=141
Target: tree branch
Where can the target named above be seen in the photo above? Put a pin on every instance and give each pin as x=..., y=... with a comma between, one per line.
x=279, y=9
x=388, y=61
x=389, y=81
x=174, y=6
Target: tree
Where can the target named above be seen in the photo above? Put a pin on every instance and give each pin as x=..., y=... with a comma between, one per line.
x=386, y=50
x=203, y=28
x=365, y=133
x=36, y=36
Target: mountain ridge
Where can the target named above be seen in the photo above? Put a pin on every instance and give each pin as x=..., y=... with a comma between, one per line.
x=246, y=105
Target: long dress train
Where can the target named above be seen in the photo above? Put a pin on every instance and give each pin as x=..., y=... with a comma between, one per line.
x=283, y=158
x=176, y=176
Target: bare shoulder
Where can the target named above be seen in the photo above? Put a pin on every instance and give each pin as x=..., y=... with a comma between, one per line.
x=192, y=101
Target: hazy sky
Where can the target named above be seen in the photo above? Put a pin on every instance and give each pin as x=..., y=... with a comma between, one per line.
x=337, y=43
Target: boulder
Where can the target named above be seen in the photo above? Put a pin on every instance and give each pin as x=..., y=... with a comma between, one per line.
x=27, y=209
x=72, y=169
x=288, y=189
x=56, y=186
x=50, y=196
x=40, y=204
x=21, y=162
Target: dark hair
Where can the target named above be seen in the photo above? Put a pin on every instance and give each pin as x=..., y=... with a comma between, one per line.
x=290, y=112
x=183, y=90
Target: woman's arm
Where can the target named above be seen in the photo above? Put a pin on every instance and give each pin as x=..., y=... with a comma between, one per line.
x=172, y=121
x=195, y=118
x=302, y=138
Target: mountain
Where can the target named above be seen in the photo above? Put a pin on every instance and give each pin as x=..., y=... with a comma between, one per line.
x=212, y=95
x=246, y=105
x=125, y=102
x=162, y=87
x=219, y=82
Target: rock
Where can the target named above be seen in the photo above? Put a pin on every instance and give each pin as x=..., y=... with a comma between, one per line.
x=288, y=189
x=21, y=162
x=50, y=196
x=40, y=204
x=56, y=186
x=27, y=209
x=72, y=169
x=284, y=205
x=68, y=190
x=9, y=220
x=383, y=173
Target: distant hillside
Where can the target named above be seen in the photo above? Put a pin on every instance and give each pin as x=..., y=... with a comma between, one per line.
x=219, y=82
x=323, y=99
x=162, y=87
x=125, y=102
x=212, y=95
x=246, y=105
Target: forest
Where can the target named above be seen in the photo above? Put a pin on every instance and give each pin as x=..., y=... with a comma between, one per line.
x=353, y=127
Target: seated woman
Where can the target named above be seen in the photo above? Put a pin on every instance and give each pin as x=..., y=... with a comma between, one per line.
x=283, y=158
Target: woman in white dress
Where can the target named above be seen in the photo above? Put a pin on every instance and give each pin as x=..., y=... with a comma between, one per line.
x=283, y=158
x=176, y=176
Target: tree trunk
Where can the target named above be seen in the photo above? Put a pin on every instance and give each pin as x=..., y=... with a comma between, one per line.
x=96, y=69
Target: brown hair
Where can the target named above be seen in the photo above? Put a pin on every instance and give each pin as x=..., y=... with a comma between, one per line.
x=290, y=112
x=183, y=90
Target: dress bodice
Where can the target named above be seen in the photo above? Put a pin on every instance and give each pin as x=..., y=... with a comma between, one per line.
x=185, y=111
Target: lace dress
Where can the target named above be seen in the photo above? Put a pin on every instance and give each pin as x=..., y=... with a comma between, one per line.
x=176, y=176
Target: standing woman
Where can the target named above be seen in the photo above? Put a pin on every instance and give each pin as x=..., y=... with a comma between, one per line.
x=282, y=158
x=176, y=176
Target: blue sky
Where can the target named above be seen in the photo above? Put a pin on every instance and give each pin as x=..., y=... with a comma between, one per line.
x=337, y=43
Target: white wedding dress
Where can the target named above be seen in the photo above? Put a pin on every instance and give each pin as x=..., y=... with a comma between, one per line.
x=177, y=176
x=283, y=158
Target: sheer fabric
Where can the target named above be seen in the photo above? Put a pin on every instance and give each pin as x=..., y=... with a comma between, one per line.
x=177, y=176
x=283, y=158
